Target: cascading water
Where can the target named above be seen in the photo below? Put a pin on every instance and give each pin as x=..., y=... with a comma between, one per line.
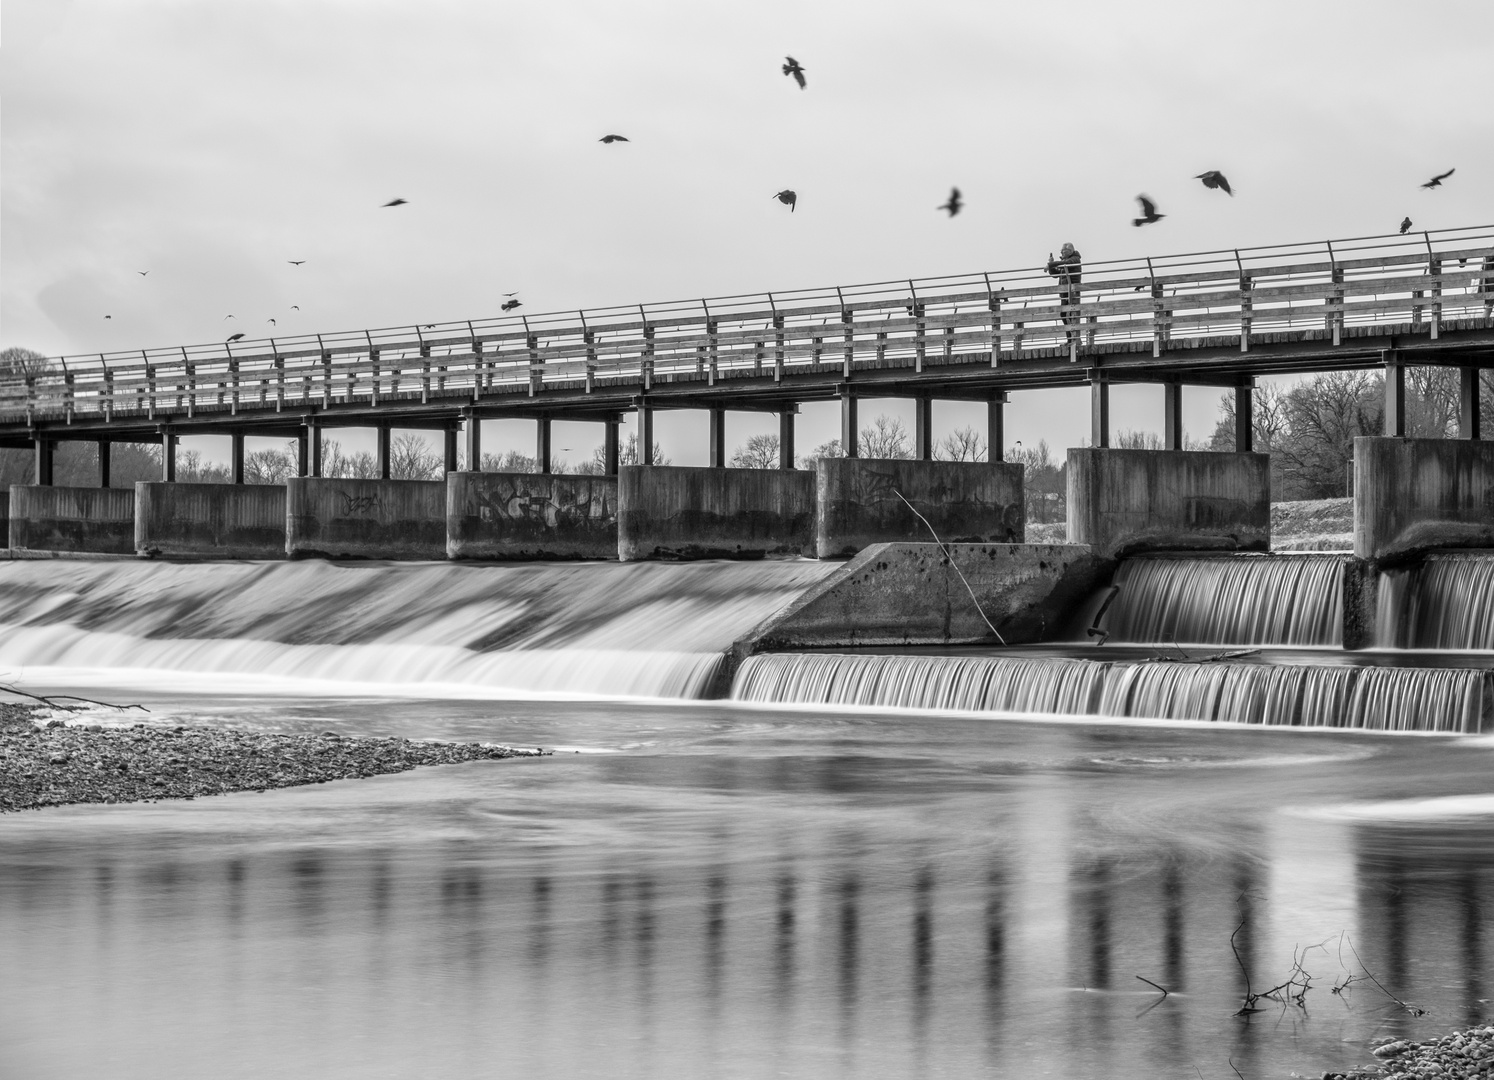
x=631, y=629
x=1228, y=600
x=1303, y=695
x=1446, y=602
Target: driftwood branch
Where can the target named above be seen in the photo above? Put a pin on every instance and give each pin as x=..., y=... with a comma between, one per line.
x=56, y=702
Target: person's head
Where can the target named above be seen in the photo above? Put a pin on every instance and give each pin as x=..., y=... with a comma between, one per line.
x=1066, y=250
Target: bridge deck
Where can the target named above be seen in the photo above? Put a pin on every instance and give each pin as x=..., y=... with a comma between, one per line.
x=1213, y=318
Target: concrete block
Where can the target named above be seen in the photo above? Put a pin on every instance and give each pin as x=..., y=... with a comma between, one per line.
x=965, y=502
x=492, y=515
x=1126, y=501
x=212, y=521
x=369, y=519
x=669, y=512
x=1417, y=495
x=72, y=519
x=915, y=594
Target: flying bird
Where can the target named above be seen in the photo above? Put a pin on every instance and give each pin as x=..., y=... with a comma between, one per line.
x=795, y=69
x=272, y=322
x=234, y=337
x=429, y=326
x=510, y=294
x=1436, y=181
x=613, y=138
x=295, y=307
x=108, y=316
x=954, y=204
x=1214, y=179
x=788, y=198
x=509, y=305
x=228, y=316
x=396, y=202
x=1148, y=212
x=1405, y=224
x=142, y=273
x=295, y=262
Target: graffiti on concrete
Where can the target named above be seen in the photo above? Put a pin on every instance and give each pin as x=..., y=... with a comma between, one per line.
x=358, y=505
x=532, y=506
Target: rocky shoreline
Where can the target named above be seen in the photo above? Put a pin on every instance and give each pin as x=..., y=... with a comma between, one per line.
x=54, y=763
x=1462, y=1055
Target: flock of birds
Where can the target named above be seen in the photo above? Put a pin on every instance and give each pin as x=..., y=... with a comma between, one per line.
x=1213, y=179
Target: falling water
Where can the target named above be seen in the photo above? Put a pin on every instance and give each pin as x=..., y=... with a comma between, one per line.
x=1446, y=602
x=1230, y=599
x=637, y=629
x=1297, y=695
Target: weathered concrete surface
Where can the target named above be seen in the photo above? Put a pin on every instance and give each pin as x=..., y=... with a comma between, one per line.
x=669, y=512
x=491, y=515
x=68, y=519
x=372, y=519
x=911, y=594
x=965, y=502
x=212, y=521
x=1125, y=501
x=1361, y=593
x=1416, y=495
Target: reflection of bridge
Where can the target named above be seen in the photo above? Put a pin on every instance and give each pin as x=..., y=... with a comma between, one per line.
x=1215, y=319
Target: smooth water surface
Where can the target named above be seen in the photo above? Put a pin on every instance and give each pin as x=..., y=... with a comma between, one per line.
x=722, y=890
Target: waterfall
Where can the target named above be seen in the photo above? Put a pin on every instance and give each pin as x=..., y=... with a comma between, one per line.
x=1228, y=600
x=1299, y=695
x=1446, y=602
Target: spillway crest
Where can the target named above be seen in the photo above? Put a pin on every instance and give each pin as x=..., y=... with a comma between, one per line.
x=1446, y=602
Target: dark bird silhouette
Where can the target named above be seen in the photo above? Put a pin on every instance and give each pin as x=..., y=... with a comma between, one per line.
x=295, y=307
x=1148, y=212
x=1405, y=224
x=108, y=316
x=954, y=203
x=272, y=322
x=1436, y=181
x=229, y=316
x=234, y=337
x=794, y=68
x=788, y=198
x=510, y=294
x=295, y=262
x=509, y=305
x=142, y=273
x=613, y=138
x=1215, y=179
x=396, y=202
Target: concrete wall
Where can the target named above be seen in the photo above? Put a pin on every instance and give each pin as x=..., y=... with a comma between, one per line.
x=374, y=519
x=215, y=521
x=1124, y=501
x=671, y=512
x=492, y=515
x=911, y=594
x=964, y=502
x=97, y=520
x=1415, y=495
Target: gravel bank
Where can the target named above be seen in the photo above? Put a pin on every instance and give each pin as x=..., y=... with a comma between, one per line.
x=1459, y=1056
x=55, y=763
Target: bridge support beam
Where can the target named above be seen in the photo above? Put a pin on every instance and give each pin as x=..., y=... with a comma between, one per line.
x=716, y=434
x=473, y=429
x=996, y=427
x=104, y=445
x=542, y=446
x=850, y=429
x=786, y=439
x=1245, y=417
x=309, y=449
x=168, y=455
x=1172, y=416
x=381, y=450
x=1395, y=395
x=236, y=457
x=923, y=428
x=42, y=459
x=610, y=449
x=449, y=443
x=645, y=430
x=1470, y=424
x=1099, y=411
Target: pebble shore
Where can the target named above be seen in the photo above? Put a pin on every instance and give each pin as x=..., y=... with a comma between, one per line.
x=55, y=763
x=1462, y=1055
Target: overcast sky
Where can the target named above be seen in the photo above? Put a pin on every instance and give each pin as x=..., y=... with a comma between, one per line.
x=209, y=142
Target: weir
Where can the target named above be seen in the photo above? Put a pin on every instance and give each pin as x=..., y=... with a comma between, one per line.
x=1446, y=602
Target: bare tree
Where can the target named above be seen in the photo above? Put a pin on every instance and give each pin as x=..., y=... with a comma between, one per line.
x=627, y=454
x=412, y=458
x=19, y=362
x=271, y=466
x=829, y=449
x=962, y=444
x=1044, y=483
x=885, y=438
x=758, y=452
x=191, y=469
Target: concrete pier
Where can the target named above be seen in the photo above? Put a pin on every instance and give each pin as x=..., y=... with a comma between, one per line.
x=1125, y=501
x=369, y=519
x=210, y=521
x=492, y=515
x=1417, y=495
x=860, y=502
x=72, y=519
x=670, y=512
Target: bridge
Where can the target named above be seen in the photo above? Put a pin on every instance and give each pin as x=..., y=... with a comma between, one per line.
x=1220, y=318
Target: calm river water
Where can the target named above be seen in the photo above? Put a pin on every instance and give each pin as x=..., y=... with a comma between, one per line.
x=710, y=890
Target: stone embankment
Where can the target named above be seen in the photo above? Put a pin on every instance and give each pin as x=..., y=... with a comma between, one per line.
x=56, y=763
x=1463, y=1055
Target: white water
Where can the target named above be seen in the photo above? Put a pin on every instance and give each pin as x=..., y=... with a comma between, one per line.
x=1446, y=602
x=1305, y=695
x=618, y=630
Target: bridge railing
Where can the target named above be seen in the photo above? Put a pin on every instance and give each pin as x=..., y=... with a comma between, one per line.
x=1326, y=288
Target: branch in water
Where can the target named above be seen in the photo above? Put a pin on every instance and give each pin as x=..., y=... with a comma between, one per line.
x=57, y=702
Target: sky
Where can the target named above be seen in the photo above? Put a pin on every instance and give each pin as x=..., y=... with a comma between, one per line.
x=210, y=142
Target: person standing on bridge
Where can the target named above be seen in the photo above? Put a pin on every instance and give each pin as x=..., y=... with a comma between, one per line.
x=1068, y=268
